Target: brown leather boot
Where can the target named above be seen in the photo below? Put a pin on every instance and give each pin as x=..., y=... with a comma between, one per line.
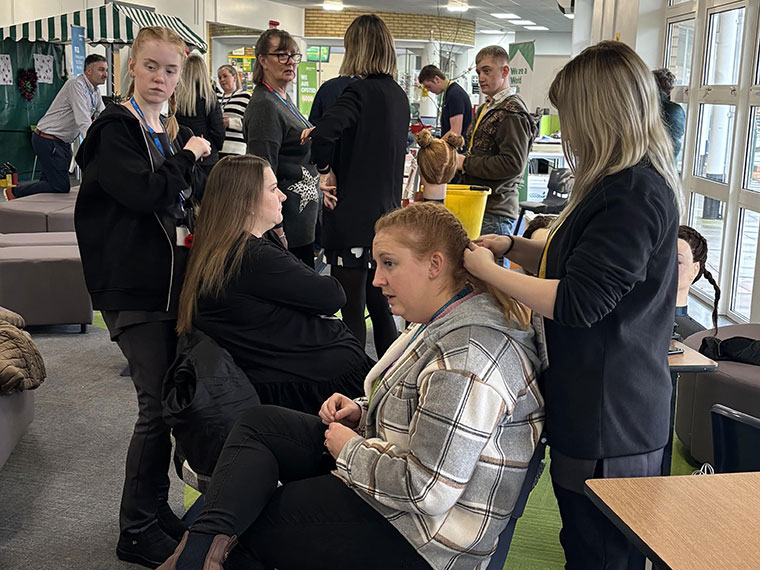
x=217, y=552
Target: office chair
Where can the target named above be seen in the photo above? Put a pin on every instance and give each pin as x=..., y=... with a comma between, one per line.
x=559, y=187
x=532, y=475
x=736, y=440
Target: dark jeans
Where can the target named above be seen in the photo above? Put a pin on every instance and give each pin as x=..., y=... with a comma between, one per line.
x=54, y=158
x=311, y=518
x=357, y=283
x=150, y=349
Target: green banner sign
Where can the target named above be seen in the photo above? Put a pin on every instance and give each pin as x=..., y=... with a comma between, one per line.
x=307, y=86
x=521, y=58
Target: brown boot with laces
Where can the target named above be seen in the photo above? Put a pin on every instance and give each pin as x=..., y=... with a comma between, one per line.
x=215, y=556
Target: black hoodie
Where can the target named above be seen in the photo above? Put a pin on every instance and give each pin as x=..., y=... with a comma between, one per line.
x=127, y=238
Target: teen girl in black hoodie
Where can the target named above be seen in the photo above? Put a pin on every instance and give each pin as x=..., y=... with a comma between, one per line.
x=130, y=217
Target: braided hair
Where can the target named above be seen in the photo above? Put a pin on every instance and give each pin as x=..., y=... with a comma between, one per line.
x=698, y=245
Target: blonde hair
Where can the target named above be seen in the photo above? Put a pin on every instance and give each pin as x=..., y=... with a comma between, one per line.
x=232, y=71
x=222, y=229
x=609, y=109
x=496, y=52
x=195, y=82
x=284, y=42
x=370, y=49
x=427, y=227
x=160, y=34
x=437, y=158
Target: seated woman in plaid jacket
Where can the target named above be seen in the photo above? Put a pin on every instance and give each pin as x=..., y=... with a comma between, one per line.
x=421, y=472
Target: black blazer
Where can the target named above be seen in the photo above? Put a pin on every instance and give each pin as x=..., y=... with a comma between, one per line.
x=363, y=138
x=210, y=125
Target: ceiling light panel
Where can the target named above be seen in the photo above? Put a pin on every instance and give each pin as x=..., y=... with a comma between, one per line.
x=522, y=22
x=503, y=16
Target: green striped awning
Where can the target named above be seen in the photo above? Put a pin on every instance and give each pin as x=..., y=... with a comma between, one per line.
x=107, y=24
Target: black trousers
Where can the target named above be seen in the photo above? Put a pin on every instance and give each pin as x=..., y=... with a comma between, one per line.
x=357, y=283
x=312, y=520
x=150, y=349
x=54, y=158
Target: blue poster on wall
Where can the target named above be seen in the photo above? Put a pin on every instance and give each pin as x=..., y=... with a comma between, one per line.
x=77, y=50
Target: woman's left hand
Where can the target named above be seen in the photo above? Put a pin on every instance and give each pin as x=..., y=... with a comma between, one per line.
x=478, y=260
x=306, y=135
x=336, y=437
x=460, y=161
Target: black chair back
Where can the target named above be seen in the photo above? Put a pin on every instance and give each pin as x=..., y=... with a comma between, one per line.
x=736, y=440
x=559, y=187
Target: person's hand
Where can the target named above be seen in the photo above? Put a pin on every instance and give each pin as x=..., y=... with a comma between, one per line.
x=226, y=121
x=460, y=161
x=478, y=260
x=496, y=243
x=329, y=186
x=336, y=437
x=198, y=146
x=339, y=408
x=306, y=135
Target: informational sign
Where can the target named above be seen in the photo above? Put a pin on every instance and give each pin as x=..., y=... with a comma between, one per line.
x=307, y=86
x=318, y=53
x=77, y=50
x=521, y=58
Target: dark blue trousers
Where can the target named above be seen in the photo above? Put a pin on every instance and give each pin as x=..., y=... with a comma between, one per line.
x=53, y=158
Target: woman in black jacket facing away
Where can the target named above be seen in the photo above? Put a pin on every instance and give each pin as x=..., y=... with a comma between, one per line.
x=199, y=110
x=358, y=146
x=271, y=312
x=606, y=289
x=130, y=219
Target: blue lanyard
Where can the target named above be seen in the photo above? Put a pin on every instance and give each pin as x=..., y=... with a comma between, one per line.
x=153, y=134
x=227, y=98
x=290, y=107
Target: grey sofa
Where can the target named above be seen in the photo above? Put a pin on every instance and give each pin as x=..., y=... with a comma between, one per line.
x=734, y=384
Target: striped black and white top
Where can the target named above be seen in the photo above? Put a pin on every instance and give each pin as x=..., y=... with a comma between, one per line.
x=233, y=108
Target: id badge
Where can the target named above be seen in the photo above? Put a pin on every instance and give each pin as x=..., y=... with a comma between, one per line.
x=182, y=233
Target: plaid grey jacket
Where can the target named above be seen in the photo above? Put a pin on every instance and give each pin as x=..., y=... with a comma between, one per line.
x=448, y=432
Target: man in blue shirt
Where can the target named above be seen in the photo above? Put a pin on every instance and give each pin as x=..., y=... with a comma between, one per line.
x=77, y=104
x=456, y=108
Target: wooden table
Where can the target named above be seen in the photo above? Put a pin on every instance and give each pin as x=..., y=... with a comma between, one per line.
x=688, y=361
x=689, y=522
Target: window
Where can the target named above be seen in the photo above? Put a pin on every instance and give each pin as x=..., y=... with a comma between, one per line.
x=675, y=2
x=713, y=152
x=680, y=46
x=724, y=47
x=706, y=216
x=744, y=272
x=752, y=173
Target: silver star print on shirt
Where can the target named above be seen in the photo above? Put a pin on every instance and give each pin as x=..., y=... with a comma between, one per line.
x=306, y=188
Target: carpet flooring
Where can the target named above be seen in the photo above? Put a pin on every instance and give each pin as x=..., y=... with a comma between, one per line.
x=60, y=489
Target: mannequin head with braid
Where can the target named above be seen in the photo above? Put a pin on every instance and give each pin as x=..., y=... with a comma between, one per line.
x=692, y=257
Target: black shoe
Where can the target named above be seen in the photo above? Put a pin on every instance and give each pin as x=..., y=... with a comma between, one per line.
x=149, y=547
x=170, y=523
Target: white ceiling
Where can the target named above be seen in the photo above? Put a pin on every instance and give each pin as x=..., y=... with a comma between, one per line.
x=542, y=12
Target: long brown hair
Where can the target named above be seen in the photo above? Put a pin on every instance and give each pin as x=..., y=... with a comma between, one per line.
x=698, y=245
x=160, y=34
x=609, y=109
x=429, y=227
x=222, y=229
x=370, y=49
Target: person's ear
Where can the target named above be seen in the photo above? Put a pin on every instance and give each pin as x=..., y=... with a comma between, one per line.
x=694, y=271
x=505, y=71
x=437, y=263
x=131, y=67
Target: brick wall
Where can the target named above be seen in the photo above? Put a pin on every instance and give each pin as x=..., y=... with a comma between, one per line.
x=324, y=24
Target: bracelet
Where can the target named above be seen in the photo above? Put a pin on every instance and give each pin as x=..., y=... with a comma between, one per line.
x=324, y=170
x=511, y=245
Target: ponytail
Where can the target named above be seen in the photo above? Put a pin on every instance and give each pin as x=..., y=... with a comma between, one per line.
x=172, y=126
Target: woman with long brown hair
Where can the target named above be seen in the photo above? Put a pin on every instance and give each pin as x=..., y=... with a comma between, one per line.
x=131, y=220
x=692, y=260
x=253, y=297
x=424, y=469
x=606, y=289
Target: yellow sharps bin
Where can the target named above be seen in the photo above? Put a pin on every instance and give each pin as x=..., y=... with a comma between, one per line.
x=468, y=204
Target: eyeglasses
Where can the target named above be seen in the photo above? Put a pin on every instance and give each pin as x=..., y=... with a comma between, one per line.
x=286, y=57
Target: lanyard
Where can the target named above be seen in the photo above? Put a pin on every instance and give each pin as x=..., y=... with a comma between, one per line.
x=461, y=295
x=93, y=97
x=477, y=123
x=545, y=253
x=224, y=102
x=153, y=134
x=290, y=107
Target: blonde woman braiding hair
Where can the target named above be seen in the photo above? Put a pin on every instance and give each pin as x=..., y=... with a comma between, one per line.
x=609, y=106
